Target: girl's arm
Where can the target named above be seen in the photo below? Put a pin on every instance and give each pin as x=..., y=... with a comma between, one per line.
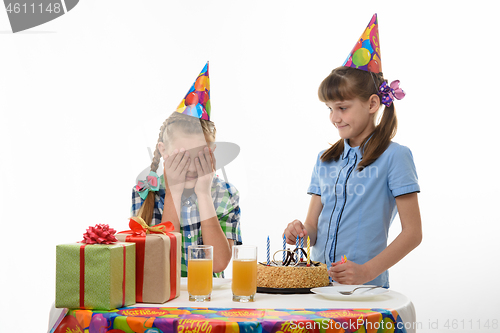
x=310, y=226
x=213, y=234
x=211, y=229
x=409, y=238
x=172, y=208
x=174, y=173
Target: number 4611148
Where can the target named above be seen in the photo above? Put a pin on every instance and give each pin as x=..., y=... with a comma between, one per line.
x=25, y=8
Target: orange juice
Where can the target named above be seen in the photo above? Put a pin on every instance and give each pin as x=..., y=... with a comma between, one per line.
x=244, y=277
x=200, y=276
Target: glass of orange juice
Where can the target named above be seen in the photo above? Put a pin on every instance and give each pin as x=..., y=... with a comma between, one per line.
x=244, y=284
x=200, y=268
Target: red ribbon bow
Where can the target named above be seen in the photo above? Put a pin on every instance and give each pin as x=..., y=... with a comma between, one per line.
x=139, y=228
x=100, y=234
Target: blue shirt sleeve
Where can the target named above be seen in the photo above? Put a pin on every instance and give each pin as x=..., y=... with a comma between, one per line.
x=314, y=186
x=402, y=174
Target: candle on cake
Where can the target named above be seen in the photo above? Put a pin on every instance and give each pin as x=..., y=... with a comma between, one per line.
x=284, y=249
x=301, y=246
x=297, y=249
x=308, y=252
x=268, y=252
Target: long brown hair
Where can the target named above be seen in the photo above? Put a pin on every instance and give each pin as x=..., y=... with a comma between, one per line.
x=176, y=122
x=346, y=83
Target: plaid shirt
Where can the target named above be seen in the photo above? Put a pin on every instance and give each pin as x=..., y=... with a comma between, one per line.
x=226, y=202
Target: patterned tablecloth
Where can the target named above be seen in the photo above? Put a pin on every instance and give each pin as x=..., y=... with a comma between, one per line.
x=390, y=312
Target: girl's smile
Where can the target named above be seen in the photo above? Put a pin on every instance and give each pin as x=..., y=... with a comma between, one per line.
x=354, y=119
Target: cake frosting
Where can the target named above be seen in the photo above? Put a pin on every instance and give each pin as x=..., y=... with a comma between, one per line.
x=296, y=276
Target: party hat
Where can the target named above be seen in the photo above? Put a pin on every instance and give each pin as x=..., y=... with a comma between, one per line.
x=196, y=103
x=366, y=53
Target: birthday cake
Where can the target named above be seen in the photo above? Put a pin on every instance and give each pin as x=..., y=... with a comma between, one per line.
x=292, y=273
x=299, y=276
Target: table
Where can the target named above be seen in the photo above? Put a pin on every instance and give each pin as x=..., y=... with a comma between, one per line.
x=270, y=310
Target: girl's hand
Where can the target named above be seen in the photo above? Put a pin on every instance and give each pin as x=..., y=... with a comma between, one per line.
x=294, y=229
x=175, y=168
x=205, y=167
x=349, y=273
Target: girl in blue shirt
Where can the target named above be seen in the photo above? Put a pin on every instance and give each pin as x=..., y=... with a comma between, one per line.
x=360, y=183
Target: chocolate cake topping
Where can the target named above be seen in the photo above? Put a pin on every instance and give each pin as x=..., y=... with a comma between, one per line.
x=291, y=259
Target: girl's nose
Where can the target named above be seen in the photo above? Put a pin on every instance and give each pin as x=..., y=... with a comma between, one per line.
x=335, y=117
x=191, y=166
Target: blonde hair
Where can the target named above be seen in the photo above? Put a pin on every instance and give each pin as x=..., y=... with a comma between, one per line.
x=176, y=122
x=346, y=83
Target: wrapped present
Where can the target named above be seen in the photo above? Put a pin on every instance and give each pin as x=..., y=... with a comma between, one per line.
x=158, y=261
x=97, y=274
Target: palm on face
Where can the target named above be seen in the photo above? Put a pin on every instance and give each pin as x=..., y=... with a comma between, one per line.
x=190, y=169
x=205, y=167
x=175, y=168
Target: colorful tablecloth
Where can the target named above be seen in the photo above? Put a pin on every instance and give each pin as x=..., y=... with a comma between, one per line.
x=293, y=313
x=232, y=320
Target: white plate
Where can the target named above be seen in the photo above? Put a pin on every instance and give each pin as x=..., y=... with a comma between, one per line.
x=332, y=292
x=218, y=283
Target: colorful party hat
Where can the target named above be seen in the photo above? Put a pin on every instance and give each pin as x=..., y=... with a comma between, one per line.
x=196, y=103
x=366, y=53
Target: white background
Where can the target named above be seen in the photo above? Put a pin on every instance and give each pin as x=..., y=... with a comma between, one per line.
x=83, y=96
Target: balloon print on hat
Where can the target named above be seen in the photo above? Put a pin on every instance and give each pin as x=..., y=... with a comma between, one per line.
x=365, y=54
x=196, y=103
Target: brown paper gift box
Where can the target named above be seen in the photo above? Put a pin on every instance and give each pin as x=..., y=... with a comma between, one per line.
x=158, y=266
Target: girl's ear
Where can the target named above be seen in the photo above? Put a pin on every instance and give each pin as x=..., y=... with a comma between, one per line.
x=162, y=149
x=374, y=103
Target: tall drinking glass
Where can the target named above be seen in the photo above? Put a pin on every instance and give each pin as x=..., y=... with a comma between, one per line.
x=244, y=284
x=200, y=268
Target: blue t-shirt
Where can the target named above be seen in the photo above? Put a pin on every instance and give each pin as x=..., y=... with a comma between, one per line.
x=359, y=207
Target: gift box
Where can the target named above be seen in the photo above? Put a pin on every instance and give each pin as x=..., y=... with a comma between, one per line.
x=95, y=276
x=158, y=260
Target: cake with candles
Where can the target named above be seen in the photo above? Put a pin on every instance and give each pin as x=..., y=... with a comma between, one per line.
x=294, y=270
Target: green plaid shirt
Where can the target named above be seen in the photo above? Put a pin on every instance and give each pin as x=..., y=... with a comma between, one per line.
x=226, y=202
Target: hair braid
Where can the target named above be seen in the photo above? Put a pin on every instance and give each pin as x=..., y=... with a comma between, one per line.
x=147, y=208
x=157, y=155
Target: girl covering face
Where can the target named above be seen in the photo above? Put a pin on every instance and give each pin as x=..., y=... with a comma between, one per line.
x=359, y=184
x=188, y=157
x=204, y=208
